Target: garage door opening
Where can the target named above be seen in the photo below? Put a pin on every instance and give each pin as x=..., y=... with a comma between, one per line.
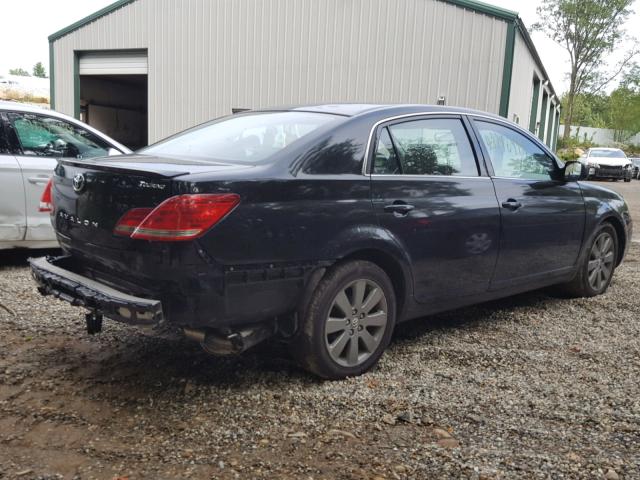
x=114, y=95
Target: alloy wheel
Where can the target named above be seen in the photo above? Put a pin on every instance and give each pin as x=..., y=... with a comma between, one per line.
x=356, y=323
x=601, y=261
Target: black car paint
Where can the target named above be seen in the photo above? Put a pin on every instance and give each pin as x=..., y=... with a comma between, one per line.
x=312, y=206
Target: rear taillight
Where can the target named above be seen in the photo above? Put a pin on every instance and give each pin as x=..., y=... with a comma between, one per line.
x=180, y=218
x=46, y=202
x=130, y=221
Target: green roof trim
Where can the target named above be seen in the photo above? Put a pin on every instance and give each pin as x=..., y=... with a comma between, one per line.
x=481, y=7
x=91, y=18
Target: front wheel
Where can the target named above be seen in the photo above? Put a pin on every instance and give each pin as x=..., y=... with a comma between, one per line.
x=597, y=264
x=348, y=321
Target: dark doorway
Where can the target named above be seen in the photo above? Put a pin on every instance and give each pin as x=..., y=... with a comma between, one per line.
x=116, y=105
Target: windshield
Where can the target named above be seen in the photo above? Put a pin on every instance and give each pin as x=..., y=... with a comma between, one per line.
x=607, y=154
x=245, y=138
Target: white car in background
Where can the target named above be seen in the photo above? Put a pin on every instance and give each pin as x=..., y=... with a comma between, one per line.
x=31, y=139
x=609, y=163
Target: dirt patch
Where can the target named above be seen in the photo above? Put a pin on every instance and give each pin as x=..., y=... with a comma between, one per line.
x=528, y=387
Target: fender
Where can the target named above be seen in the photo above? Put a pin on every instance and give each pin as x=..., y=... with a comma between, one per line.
x=351, y=241
x=602, y=204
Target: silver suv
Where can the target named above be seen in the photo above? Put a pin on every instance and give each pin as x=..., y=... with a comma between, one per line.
x=31, y=139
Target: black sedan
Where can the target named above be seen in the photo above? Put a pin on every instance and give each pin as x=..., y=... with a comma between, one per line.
x=326, y=226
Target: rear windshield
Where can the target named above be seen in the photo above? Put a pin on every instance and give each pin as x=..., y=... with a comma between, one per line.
x=607, y=154
x=246, y=138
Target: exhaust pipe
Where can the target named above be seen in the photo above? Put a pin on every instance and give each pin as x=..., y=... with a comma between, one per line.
x=234, y=343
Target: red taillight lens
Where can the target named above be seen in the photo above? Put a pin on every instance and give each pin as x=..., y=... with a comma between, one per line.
x=130, y=221
x=180, y=218
x=46, y=201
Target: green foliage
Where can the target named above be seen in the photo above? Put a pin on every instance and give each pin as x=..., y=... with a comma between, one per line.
x=19, y=72
x=589, y=30
x=39, y=70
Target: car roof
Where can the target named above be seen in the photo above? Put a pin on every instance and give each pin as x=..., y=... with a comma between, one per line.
x=607, y=149
x=354, y=109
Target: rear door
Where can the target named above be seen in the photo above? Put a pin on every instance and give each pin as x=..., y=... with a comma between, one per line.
x=543, y=216
x=430, y=193
x=42, y=140
x=12, y=207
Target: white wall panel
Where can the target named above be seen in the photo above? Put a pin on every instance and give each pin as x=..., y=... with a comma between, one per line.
x=207, y=56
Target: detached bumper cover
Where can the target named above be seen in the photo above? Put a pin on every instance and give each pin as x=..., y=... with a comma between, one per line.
x=79, y=290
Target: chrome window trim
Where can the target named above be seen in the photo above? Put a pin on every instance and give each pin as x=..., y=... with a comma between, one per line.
x=500, y=121
x=402, y=175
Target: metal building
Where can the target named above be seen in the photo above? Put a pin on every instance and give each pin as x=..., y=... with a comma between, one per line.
x=143, y=69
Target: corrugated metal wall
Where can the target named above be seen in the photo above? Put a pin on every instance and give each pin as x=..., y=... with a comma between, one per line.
x=208, y=56
x=521, y=96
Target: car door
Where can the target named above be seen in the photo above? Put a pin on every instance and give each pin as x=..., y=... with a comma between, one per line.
x=543, y=216
x=42, y=140
x=430, y=194
x=12, y=207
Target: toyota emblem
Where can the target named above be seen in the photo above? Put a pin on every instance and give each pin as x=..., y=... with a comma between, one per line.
x=78, y=183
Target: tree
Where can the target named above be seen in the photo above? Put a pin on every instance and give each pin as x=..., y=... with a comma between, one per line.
x=19, y=72
x=39, y=71
x=624, y=107
x=588, y=30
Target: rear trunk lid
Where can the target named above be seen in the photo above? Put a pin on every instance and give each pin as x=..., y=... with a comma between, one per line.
x=90, y=196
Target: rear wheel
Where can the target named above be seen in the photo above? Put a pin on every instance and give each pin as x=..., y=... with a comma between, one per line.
x=348, y=321
x=597, y=264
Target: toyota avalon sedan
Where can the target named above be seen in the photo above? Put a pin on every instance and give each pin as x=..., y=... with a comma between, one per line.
x=326, y=226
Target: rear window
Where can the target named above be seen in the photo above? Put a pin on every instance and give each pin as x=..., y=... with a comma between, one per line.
x=607, y=154
x=246, y=138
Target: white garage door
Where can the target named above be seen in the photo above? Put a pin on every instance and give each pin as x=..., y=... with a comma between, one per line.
x=113, y=63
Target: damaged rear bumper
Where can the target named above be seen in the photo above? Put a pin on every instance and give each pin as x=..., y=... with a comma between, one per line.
x=79, y=290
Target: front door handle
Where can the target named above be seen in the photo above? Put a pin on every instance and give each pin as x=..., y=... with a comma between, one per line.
x=511, y=204
x=39, y=180
x=399, y=207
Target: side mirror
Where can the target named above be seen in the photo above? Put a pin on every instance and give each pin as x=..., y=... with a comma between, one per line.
x=112, y=152
x=574, y=171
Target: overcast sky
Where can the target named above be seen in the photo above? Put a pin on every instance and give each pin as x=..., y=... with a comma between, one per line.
x=27, y=24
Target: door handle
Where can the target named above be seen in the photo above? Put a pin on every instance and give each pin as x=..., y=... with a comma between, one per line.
x=511, y=204
x=38, y=180
x=399, y=207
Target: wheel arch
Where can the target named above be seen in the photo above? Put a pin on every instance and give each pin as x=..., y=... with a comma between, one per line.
x=616, y=223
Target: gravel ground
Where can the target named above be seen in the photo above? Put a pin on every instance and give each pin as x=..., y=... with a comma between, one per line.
x=528, y=387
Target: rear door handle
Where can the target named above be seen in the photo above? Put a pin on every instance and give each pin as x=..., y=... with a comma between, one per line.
x=39, y=180
x=399, y=207
x=511, y=204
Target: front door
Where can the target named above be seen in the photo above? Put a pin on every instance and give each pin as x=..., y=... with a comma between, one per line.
x=543, y=216
x=428, y=192
x=12, y=209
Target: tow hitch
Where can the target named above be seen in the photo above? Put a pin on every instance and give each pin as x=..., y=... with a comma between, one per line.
x=94, y=322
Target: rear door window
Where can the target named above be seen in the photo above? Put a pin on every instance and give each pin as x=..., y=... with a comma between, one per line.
x=438, y=146
x=44, y=136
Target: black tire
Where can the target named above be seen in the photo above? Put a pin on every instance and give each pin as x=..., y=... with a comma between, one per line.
x=580, y=286
x=310, y=347
x=627, y=180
